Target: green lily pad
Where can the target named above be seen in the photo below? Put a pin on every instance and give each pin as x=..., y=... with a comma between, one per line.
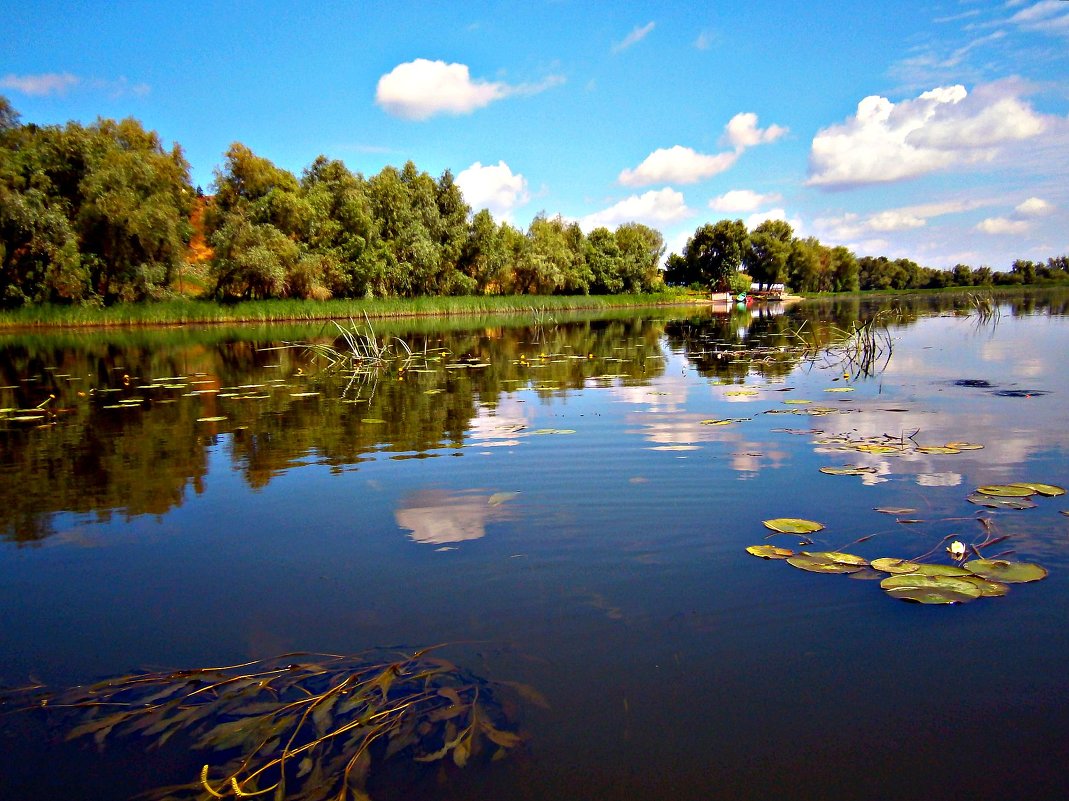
x=942, y=571
x=847, y=471
x=937, y=449
x=867, y=574
x=988, y=587
x=894, y=510
x=992, y=502
x=792, y=525
x=817, y=564
x=1006, y=490
x=1006, y=572
x=930, y=589
x=897, y=566
x=769, y=551
x=1050, y=490
x=840, y=557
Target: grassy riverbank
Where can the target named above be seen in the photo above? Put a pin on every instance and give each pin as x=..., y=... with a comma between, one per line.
x=185, y=312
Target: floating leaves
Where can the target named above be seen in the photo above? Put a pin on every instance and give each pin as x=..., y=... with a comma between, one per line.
x=792, y=525
x=848, y=470
x=818, y=563
x=913, y=579
x=1049, y=490
x=930, y=589
x=769, y=551
x=1006, y=572
x=1016, y=495
x=304, y=727
x=888, y=564
x=992, y=502
x=1006, y=490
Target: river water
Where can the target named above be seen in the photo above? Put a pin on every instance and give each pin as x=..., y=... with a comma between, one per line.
x=567, y=502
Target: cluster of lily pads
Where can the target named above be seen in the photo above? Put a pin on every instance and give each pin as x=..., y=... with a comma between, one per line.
x=914, y=580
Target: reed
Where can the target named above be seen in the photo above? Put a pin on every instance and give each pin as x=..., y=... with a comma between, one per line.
x=185, y=312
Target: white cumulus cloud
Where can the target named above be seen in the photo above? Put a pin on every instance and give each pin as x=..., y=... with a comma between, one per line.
x=1003, y=225
x=653, y=208
x=684, y=165
x=942, y=128
x=742, y=200
x=420, y=89
x=678, y=164
x=1034, y=207
x=639, y=33
x=494, y=187
x=742, y=131
x=49, y=83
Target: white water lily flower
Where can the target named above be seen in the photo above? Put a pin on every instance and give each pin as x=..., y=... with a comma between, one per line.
x=956, y=549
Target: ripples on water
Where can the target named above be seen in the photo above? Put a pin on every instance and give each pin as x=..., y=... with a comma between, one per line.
x=561, y=502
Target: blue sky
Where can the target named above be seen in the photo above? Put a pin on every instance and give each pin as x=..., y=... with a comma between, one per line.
x=936, y=131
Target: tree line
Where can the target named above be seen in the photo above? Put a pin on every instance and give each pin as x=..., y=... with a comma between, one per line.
x=726, y=255
x=102, y=214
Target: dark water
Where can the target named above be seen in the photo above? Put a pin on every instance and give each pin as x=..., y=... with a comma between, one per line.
x=553, y=499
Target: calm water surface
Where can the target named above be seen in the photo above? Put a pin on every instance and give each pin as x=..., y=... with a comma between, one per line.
x=554, y=499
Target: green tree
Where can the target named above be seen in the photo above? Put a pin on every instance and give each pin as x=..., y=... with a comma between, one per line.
x=716, y=251
x=770, y=248
x=641, y=249
x=605, y=261
x=805, y=271
x=1026, y=269
x=843, y=270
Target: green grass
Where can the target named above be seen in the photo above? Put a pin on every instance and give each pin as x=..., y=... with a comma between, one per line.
x=182, y=312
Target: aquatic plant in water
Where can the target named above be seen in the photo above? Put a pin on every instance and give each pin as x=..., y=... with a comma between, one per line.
x=302, y=726
x=361, y=351
x=914, y=579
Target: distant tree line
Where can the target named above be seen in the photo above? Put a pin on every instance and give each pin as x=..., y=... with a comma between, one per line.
x=725, y=255
x=101, y=214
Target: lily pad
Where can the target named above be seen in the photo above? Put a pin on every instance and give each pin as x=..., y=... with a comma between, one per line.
x=992, y=502
x=867, y=574
x=930, y=589
x=877, y=449
x=818, y=564
x=894, y=510
x=988, y=587
x=847, y=471
x=965, y=446
x=942, y=571
x=937, y=449
x=792, y=525
x=1006, y=490
x=898, y=566
x=1050, y=490
x=841, y=558
x=1007, y=572
x=769, y=551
